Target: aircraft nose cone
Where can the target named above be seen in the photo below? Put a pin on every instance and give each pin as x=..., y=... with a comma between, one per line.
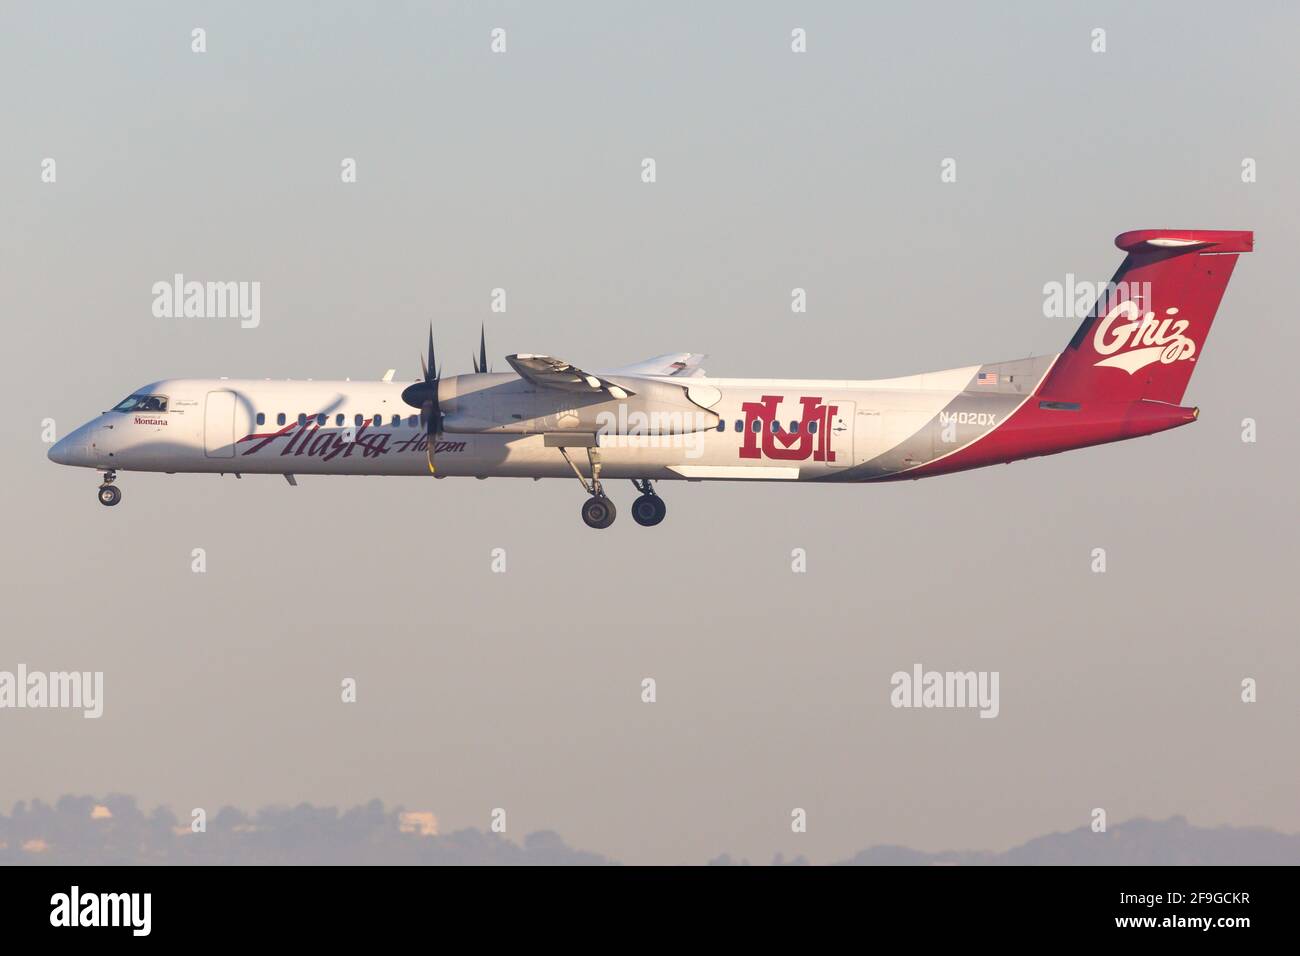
x=66, y=452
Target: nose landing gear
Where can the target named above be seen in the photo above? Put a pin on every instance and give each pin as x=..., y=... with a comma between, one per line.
x=109, y=493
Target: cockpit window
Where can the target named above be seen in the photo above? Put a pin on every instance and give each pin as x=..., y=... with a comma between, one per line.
x=142, y=403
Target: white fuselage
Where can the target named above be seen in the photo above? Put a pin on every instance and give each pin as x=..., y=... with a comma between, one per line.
x=365, y=428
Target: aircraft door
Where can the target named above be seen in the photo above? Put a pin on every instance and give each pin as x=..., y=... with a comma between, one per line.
x=219, y=425
x=869, y=435
x=839, y=436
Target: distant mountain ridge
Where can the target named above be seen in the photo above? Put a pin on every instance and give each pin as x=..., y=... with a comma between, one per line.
x=1138, y=842
x=113, y=830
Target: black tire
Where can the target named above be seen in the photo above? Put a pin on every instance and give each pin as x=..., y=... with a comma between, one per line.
x=598, y=512
x=649, y=510
x=109, y=495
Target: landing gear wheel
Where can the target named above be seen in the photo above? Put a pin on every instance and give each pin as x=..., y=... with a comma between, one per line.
x=598, y=511
x=648, y=510
x=109, y=495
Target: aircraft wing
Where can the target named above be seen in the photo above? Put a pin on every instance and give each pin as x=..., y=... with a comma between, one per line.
x=676, y=364
x=545, y=371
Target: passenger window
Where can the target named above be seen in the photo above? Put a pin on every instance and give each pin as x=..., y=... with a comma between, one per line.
x=812, y=428
x=261, y=418
x=320, y=419
x=794, y=427
x=378, y=421
x=357, y=421
x=758, y=426
x=397, y=420
x=722, y=425
x=279, y=419
x=776, y=426
x=338, y=420
x=302, y=419
x=740, y=426
x=413, y=420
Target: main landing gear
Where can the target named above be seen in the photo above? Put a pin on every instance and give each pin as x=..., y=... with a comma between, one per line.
x=109, y=493
x=599, y=512
x=649, y=509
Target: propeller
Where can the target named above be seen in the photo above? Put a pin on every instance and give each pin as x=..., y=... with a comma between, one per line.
x=424, y=396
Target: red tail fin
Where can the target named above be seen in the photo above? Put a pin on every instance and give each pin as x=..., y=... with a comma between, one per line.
x=1145, y=335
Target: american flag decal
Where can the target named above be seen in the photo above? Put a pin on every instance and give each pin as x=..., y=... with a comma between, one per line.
x=986, y=378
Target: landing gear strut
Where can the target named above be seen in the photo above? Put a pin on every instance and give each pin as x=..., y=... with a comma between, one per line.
x=649, y=509
x=597, y=511
x=109, y=493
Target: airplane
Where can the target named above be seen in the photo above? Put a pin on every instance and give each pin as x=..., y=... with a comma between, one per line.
x=1122, y=375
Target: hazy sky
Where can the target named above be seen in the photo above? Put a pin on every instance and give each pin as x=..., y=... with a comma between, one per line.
x=775, y=170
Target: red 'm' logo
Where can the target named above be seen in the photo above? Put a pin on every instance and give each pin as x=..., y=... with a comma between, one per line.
x=782, y=445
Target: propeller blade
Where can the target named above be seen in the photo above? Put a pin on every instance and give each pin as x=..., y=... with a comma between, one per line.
x=425, y=391
x=432, y=427
x=424, y=396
